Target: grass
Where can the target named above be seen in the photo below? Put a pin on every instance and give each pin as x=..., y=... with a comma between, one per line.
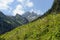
x=47, y=28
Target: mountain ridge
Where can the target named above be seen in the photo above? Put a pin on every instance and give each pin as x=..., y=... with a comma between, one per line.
x=9, y=22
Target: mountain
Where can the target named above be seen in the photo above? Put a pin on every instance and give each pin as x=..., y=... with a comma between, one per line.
x=8, y=23
x=46, y=27
x=3, y=23
x=20, y=18
x=30, y=16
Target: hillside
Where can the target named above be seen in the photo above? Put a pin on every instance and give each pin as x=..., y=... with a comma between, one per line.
x=10, y=22
x=46, y=27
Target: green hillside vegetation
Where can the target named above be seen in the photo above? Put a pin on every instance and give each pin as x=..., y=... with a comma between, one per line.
x=46, y=27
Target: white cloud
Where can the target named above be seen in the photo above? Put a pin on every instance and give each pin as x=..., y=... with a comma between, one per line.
x=21, y=1
x=18, y=10
x=4, y=4
x=19, y=7
x=29, y=4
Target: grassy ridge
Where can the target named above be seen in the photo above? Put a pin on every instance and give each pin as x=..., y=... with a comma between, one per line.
x=47, y=28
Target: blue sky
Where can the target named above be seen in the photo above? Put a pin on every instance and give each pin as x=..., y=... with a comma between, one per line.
x=13, y=7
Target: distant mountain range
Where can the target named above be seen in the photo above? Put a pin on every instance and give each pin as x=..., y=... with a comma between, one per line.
x=8, y=23
x=30, y=16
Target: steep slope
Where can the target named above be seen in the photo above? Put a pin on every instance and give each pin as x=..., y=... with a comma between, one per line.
x=46, y=27
x=21, y=19
x=3, y=24
x=9, y=22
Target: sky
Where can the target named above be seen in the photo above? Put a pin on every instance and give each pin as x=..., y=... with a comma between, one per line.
x=13, y=7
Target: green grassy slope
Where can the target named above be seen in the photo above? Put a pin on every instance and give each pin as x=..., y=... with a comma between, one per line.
x=45, y=28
